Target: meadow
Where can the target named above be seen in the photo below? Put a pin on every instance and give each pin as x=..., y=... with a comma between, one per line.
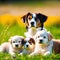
x=13, y=25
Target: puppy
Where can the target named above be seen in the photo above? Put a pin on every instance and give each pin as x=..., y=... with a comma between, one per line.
x=29, y=45
x=34, y=20
x=15, y=44
x=43, y=43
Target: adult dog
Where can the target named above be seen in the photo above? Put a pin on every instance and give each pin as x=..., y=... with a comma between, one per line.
x=33, y=22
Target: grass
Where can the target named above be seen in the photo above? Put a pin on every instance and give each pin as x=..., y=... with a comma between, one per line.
x=6, y=31
x=55, y=30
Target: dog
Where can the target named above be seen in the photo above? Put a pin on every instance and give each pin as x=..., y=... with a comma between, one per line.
x=43, y=43
x=34, y=23
x=34, y=20
x=15, y=44
x=29, y=46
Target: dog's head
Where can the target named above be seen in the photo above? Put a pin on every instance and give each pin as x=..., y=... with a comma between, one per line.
x=43, y=37
x=29, y=43
x=17, y=42
x=34, y=20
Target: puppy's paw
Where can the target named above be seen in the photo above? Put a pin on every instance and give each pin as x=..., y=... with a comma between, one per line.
x=47, y=53
x=13, y=56
x=20, y=54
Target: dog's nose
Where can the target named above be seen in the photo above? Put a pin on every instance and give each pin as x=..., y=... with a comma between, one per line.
x=32, y=24
x=16, y=45
x=41, y=41
x=27, y=45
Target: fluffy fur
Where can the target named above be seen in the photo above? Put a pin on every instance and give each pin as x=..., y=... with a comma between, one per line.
x=29, y=45
x=43, y=43
x=15, y=44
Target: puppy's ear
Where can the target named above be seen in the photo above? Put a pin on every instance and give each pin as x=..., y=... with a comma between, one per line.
x=23, y=18
x=10, y=40
x=23, y=41
x=41, y=17
x=28, y=13
x=32, y=40
x=50, y=37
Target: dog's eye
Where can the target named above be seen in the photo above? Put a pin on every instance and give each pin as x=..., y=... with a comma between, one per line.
x=44, y=36
x=19, y=41
x=30, y=43
x=38, y=36
x=30, y=17
x=13, y=41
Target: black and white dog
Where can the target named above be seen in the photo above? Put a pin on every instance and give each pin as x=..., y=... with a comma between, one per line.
x=34, y=22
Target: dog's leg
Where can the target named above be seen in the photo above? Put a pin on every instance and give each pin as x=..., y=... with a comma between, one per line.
x=2, y=49
x=47, y=53
x=33, y=53
x=11, y=52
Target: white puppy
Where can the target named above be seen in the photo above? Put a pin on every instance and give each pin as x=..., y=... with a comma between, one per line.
x=43, y=43
x=15, y=44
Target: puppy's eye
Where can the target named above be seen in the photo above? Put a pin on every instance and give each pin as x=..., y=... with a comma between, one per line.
x=38, y=36
x=19, y=41
x=13, y=41
x=30, y=43
x=30, y=17
x=44, y=36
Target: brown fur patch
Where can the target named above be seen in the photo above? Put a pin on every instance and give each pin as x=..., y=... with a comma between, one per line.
x=32, y=40
x=56, y=46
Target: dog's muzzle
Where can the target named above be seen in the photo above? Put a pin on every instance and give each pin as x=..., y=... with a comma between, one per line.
x=32, y=24
x=16, y=45
x=27, y=45
x=40, y=41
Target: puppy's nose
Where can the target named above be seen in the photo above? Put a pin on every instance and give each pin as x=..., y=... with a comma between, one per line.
x=27, y=45
x=32, y=24
x=16, y=45
x=41, y=41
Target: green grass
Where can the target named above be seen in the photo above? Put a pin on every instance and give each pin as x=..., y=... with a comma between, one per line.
x=55, y=30
x=10, y=30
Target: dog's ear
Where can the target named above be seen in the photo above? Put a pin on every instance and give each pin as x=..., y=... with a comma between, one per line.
x=23, y=18
x=10, y=40
x=23, y=41
x=50, y=37
x=28, y=14
x=41, y=17
x=32, y=40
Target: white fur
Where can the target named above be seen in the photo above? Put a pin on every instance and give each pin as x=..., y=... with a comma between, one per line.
x=32, y=20
x=39, y=49
x=10, y=46
x=31, y=32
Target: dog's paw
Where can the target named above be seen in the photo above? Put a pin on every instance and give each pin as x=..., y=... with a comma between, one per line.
x=20, y=54
x=47, y=53
x=13, y=56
